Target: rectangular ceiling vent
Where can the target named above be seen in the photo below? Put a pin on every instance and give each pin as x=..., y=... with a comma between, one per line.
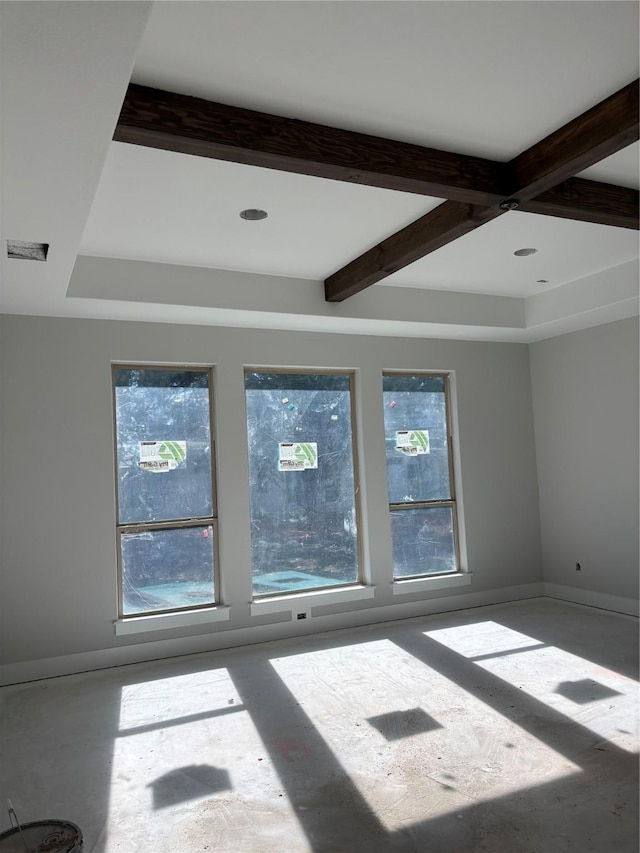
x=27, y=251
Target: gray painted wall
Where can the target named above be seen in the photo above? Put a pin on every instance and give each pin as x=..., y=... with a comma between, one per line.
x=585, y=393
x=58, y=579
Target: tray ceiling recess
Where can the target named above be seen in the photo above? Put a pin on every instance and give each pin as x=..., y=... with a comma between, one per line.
x=539, y=180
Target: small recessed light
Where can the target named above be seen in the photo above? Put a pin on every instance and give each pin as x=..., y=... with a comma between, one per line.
x=522, y=253
x=27, y=251
x=253, y=214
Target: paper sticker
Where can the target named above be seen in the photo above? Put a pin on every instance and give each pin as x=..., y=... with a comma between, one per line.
x=297, y=456
x=413, y=442
x=162, y=456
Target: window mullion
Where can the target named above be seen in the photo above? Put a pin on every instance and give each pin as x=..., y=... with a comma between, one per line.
x=420, y=504
x=166, y=525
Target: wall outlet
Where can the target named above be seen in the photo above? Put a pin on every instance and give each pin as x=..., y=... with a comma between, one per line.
x=301, y=616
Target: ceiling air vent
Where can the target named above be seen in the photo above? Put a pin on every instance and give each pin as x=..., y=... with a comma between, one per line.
x=27, y=251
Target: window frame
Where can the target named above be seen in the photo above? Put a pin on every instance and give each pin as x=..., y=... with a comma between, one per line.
x=452, y=501
x=351, y=373
x=166, y=524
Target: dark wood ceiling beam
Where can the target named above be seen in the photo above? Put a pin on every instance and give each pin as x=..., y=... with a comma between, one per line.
x=159, y=119
x=588, y=201
x=599, y=132
x=540, y=179
x=440, y=226
x=577, y=198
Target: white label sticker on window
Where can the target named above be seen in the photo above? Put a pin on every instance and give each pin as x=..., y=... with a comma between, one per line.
x=413, y=442
x=162, y=456
x=297, y=456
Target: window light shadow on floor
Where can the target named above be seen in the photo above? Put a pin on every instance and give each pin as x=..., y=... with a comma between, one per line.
x=180, y=721
x=584, y=691
x=189, y=783
x=441, y=734
x=462, y=736
x=539, y=670
x=399, y=724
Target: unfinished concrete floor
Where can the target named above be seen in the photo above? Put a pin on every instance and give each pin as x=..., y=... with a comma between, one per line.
x=504, y=729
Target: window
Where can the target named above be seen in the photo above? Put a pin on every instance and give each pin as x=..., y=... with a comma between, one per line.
x=420, y=474
x=302, y=481
x=166, y=526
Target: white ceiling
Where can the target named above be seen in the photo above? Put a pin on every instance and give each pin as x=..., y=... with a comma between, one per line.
x=483, y=78
x=159, y=205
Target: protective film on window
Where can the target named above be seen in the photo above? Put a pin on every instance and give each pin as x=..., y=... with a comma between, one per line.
x=163, y=445
x=423, y=512
x=166, y=529
x=415, y=420
x=302, y=481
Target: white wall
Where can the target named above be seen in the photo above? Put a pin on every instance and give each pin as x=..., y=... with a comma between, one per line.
x=585, y=393
x=58, y=581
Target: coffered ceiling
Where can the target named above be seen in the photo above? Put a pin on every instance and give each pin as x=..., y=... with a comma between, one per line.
x=137, y=232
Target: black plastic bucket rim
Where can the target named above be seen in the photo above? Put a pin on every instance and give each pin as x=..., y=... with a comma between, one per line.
x=42, y=845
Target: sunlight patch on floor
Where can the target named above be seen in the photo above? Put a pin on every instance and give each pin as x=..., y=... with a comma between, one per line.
x=437, y=738
x=603, y=701
x=165, y=699
x=191, y=771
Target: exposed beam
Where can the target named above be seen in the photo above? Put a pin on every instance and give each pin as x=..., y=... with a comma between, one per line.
x=579, y=199
x=159, y=119
x=440, y=226
x=599, y=132
x=541, y=178
x=588, y=201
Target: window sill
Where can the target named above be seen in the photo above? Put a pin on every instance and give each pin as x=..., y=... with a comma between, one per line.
x=402, y=587
x=300, y=602
x=163, y=621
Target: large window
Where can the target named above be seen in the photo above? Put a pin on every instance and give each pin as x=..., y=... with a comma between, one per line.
x=165, y=497
x=420, y=474
x=302, y=481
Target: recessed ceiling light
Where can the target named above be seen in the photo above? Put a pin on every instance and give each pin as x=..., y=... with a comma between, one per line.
x=253, y=214
x=522, y=253
x=27, y=251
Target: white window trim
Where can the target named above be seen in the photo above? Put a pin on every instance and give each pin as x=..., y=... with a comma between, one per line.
x=295, y=602
x=164, y=621
x=425, y=584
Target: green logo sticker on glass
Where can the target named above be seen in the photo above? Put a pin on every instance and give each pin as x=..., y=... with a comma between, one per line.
x=413, y=442
x=162, y=456
x=297, y=456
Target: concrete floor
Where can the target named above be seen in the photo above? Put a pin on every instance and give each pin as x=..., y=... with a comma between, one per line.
x=499, y=729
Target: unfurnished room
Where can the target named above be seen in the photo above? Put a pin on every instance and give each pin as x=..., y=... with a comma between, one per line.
x=319, y=426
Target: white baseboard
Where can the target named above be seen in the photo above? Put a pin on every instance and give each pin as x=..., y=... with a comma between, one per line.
x=603, y=600
x=33, y=670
